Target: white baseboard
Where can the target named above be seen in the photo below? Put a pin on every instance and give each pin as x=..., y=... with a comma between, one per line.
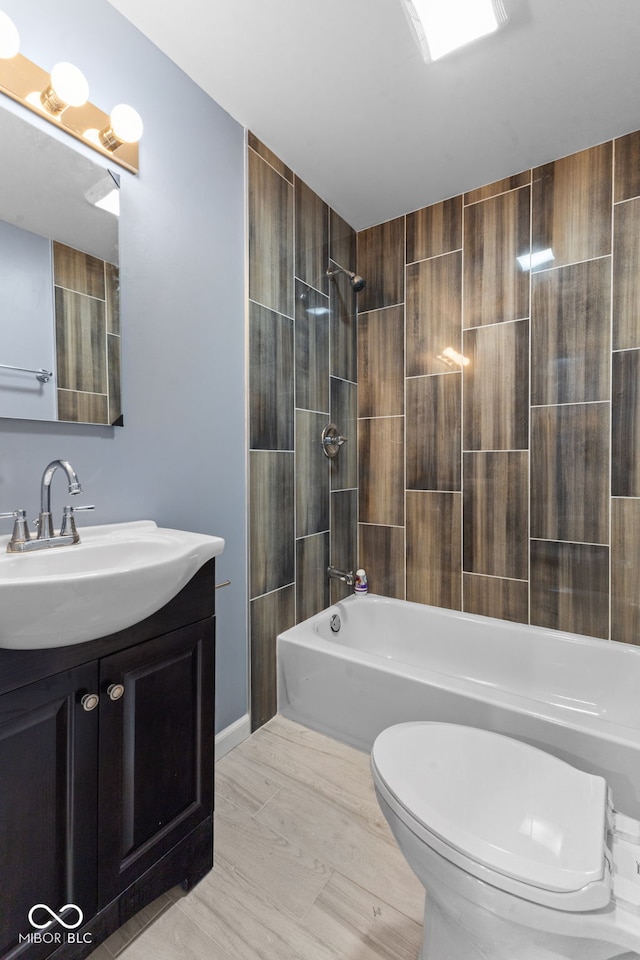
x=232, y=735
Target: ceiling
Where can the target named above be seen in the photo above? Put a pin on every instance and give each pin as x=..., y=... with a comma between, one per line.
x=339, y=90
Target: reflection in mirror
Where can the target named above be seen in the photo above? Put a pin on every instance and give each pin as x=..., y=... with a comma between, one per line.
x=59, y=284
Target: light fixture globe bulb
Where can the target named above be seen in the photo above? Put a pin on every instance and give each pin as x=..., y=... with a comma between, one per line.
x=126, y=123
x=9, y=37
x=70, y=84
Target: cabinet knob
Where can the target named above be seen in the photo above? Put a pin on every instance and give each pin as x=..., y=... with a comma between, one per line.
x=115, y=691
x=90, y=701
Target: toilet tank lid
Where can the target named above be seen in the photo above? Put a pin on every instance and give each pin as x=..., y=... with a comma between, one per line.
x=513, y=808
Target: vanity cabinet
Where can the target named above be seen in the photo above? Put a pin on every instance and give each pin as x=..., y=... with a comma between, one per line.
x=48, y=765
x=105, y=807
x=155, y=782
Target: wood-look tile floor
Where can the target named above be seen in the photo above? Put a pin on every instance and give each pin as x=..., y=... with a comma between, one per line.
x=305, y=868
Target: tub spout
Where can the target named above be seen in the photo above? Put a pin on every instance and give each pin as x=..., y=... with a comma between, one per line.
x=347, y=576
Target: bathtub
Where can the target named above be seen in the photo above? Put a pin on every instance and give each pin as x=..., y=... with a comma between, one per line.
x=393, y=661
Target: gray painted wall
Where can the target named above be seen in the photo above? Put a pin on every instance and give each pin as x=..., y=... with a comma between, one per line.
x=180, y=457
x=26, y=323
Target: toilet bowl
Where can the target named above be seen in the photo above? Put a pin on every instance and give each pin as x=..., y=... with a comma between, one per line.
x=522, y=856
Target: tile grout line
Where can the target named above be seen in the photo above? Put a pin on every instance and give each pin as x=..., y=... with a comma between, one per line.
x=272, y=797
x=611, y=396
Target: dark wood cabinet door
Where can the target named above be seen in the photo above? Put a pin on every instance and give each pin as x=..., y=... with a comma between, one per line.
x=156, y=752
x=48, y=786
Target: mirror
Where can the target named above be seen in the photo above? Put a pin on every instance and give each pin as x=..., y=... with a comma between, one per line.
x=59, y=289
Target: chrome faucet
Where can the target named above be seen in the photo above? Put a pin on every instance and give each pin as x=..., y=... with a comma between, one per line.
x=45, y=521
x=347, y=576
x=21, y=540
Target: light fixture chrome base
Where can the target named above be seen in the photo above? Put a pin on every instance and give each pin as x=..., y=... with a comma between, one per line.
x=20, y=79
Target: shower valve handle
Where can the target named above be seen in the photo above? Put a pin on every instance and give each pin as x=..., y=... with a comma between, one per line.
x=331, y=441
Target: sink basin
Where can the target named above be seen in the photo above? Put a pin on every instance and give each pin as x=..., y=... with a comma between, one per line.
x=117, y=575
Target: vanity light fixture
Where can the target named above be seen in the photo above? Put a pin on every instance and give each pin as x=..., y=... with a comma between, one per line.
x=62, y=97
x=440, y=26
x=9, y=37
x=125, y=126
x=68, y=88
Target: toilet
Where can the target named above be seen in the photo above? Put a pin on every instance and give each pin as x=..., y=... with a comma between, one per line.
x=522, y=855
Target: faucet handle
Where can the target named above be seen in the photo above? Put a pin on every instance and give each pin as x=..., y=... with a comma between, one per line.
x=68, y=527
x=20, y=526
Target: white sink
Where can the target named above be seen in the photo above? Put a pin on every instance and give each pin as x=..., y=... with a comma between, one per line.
x=117, y=575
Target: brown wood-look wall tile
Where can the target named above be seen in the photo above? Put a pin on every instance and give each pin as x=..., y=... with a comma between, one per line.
x=498, y=186
x=344, y=413
x=570, y=587
x=381, y=263
x=433, y=432
x=569, y=473
x=270, y=615
x=312, y=582
x=496, y=597
x=434, y=230
x=80, y=342
x=339, y=590
x=263, y=151
x=496, y=387
x=342, y=242
x=382, y=555
x=434, y=536
x=571, y=206
x=381, y=449
x=312, y=349
x=271, y=379
x=344, y=329
x=496, y=231
x=271, y=526
x=312, y=475
x=312, y=237
x=625, y=428
x=626, y=167
x=625, y=570
x=82, y=407
x=344, y=537
x=270, y=218
x=496, y=514
x=570, y=333
x=115, y=403
x=112, y=294
x=381, y=363
x=434, y=312
x=78, y=271
x=626, y=275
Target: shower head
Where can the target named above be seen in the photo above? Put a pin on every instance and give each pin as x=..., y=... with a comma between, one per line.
x=356, y=282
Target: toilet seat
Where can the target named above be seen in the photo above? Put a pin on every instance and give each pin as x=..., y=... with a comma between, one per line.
x=503, y=811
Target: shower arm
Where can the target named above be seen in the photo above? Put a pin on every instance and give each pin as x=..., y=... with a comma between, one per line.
x=356, y=281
